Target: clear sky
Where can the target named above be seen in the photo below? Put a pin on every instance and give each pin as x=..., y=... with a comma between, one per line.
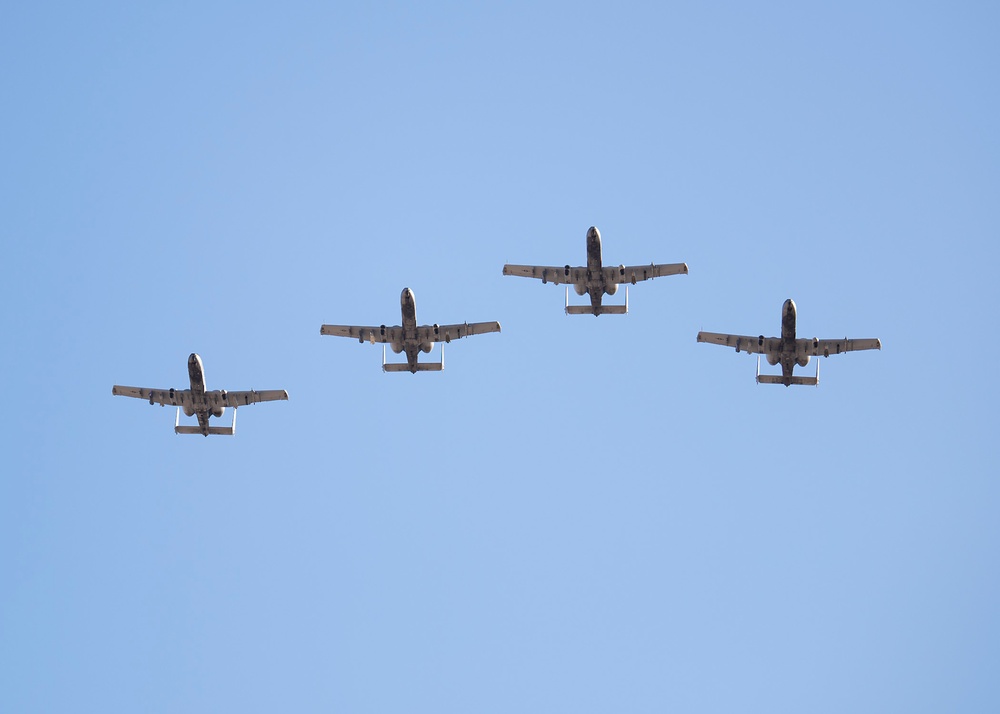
x=578, y=514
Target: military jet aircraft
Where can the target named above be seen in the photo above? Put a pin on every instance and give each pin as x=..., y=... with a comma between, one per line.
x=409, y=337
x=198, y=401
x=787, y=350
x=595, y=279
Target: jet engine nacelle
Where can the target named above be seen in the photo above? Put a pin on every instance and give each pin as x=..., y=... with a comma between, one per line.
x=188, y=411
x=426, y=346
x=802, y=361
x=772, y=358
x=397, y=347
x=611, y=289
x=218, y=411
x=580, y=289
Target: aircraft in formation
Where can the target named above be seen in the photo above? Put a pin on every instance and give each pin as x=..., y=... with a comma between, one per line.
x=198, y=401
x=787, y=350
x=595, y=279
x=409, y=337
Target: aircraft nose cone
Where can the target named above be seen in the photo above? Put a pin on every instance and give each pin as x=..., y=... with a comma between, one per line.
x=593, y=233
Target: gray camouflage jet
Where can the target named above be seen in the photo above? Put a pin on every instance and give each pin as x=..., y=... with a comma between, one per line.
x=198, y=401
x=409, y=337
x=595, y=279
x=787, y=350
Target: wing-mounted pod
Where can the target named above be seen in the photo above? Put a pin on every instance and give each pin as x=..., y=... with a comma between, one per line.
x=440, y=336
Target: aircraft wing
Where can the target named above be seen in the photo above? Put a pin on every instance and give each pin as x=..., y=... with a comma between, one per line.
x=826, y=348
x=365, y=334
x=239, y=399
x=742, y=343
x=165, y=397
x=447, y=333
x=636, y=273
x=548, y=273
x=182, y=397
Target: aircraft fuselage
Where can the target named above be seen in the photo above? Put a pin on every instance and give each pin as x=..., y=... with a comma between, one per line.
x=595, y=286
x=788, y=352
x=200, y=406
x=408, y=308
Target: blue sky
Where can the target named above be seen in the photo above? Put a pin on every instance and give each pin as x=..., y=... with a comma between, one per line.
x=578, y=514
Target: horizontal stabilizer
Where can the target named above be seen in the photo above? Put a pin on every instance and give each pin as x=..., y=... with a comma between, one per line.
x=602, y=310
x=220, y=430
x=778, y=379
x=421, y=367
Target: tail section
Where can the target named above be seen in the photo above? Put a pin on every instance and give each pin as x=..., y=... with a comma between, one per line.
x=599, y=310
x=787, y=381
x=216, y=430
x=405, y=367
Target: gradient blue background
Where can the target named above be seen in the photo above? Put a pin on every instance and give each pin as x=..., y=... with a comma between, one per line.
x=579, y=514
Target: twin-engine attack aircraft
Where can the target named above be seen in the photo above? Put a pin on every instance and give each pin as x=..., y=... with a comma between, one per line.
x=787, y=350
x=199, y=401
x=595, y=278
x=409, y=337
